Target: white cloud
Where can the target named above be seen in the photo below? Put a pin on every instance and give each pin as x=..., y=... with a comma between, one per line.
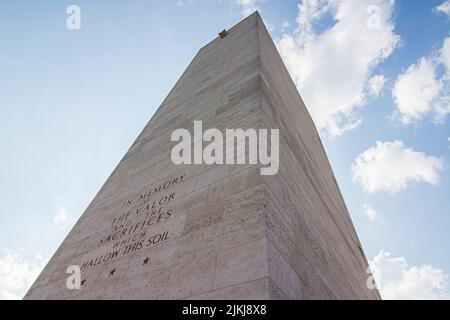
x=62, y=219
x=395, y=279
x=376, y=84
x=444, y=57
x=444, y=8
x=284, y=25
x=247, y=7
x=332, y=69
x=371, y=214
x=17, y=274
x=390, y=166
x=416, y=90
x=420, y=90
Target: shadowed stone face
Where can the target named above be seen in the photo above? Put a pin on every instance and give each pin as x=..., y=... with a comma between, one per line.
x=157, y=230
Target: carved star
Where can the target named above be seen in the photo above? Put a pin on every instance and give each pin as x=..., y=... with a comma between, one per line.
x=112, y=272
x=145, y=261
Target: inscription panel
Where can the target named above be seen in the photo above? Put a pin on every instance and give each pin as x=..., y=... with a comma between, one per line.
x=141, y=223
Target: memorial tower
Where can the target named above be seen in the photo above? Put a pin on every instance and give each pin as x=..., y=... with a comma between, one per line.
x=157, y=230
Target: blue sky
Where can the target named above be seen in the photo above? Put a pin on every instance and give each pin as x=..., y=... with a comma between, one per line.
x=73, y=101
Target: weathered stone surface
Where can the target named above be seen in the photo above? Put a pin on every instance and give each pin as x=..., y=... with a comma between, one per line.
x=156, y=230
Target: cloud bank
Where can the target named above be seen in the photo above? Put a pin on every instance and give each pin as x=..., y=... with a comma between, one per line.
x=334, y=69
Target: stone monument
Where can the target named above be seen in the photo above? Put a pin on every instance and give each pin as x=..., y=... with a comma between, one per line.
x=158, y=230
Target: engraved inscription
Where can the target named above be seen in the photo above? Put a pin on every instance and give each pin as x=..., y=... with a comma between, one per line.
x=129, y=231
